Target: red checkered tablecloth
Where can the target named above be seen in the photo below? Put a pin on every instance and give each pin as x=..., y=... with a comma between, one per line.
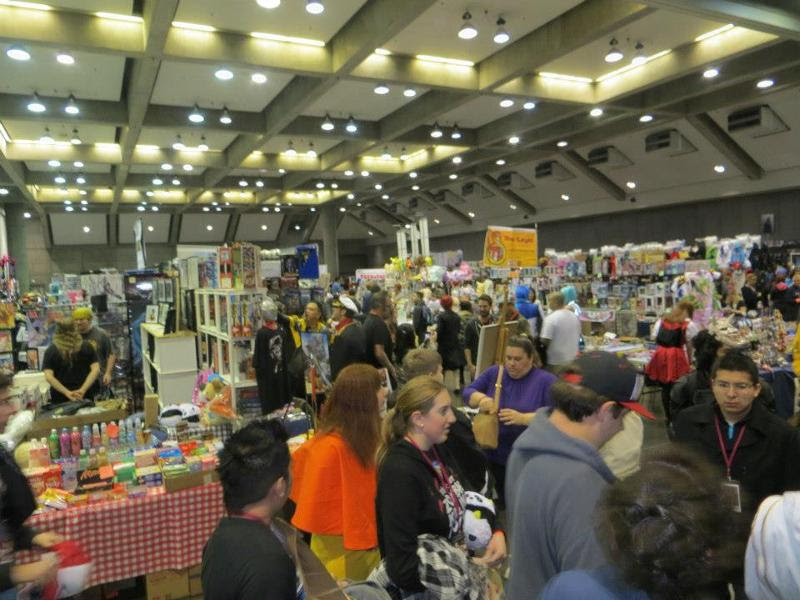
x=128, y=538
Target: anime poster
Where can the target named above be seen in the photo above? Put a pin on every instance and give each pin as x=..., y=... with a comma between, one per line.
x=308, y=261
x=317, y=353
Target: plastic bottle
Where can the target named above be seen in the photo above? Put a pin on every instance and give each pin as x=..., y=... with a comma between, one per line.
x=86, y=438
x=70, y=474
x=83, y=460
x=113, y=436
x=54, y=444
x=102, y=457
x=65, y=443
x=123, y=435
x=104, y=435
x=131, y=435
x=75, y=440
x=92, y=459
x=42, y=452
x=96, y=436
x=140, y=434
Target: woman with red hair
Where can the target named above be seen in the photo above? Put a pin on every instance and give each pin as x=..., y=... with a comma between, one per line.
x=448, y=327
x=334, y=475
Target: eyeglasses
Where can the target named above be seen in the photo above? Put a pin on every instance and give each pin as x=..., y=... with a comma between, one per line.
x=727, y=385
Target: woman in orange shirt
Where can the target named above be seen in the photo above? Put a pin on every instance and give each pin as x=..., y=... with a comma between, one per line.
x=334, y=475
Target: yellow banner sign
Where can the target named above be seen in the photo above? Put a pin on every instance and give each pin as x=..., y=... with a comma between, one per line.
x=510, y=247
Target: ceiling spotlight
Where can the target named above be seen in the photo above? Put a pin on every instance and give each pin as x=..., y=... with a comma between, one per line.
x=500, y=162
x=59, y=179
x=320, y=185
x=351, y=126
x=565, y=197
x=639, y=57
x=282, y=171
x=370, y=233
x=209, y=227
x=78, y=164
x=501, y=36
x=80, y=180
x=334, y=186
x=84, y=202
x=290, y=151
x=225, y=117
x=453, y=176
x=46, y=137
x=614, y=54
x=202, y=145
x=407, y=226
x=150, y=228
x=17, y=52
x=365, y=173
x=277, y=209
x=562, y=144
x=311, y=152
x=157, y=181
x=4, y=192
x=457, y=160
x=178, y=143
x=351, y=196
x=53, y=163
x=342, y=209
x=149, y=194
x=65, y=58
x=512, y=206
x=645, y=118
x=268, y=3
x=258, y=78
x=224, y=74
x=176, y=181
x=381, y=89
x=468, y=31
x=378, y=187
x=385, y=197
x=259, y=184
x=67, y=202
x=264, y=227
x=86, y=229
x=265, y=209
x=27, y=215
x=74, y=138
x=196, y=116
x=349, y=173
x=456, y=133
x=409, y=92
x=471, y=214
x=596, y=112
x=413, y=174
x=631, y=185
x=506, y=103
x=35, y=105
x=710, y=73
x=205, y=208
x=243, y=183
x=437, y=221
x=327, y=124
x=69, y=208
x=218, y=209
x=765, y=83
x=529, y=105
x=187, y=167
x=436, y=133
x=315, y=7
x=719, y=168
x=166, y=167
x=415, y=188
x=386, y=155
x=513, y=140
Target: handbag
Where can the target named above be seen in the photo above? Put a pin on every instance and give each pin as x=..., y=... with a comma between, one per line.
x=485, y=426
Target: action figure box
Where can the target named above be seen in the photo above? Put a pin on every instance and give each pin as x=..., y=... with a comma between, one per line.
x=245, y=266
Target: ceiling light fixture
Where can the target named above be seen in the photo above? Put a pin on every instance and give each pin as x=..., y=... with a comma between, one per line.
x=84, y=202
x=714, y=32
x=196, y=116
x=413, y=174
x=378, y=187
x=65, y=58
x=614, y=54
x=513, y=140
x=60, y=179
x=243, y=183
x=166, y=167
x=381, y=89
x=415, y=187
x=409, y=92
x=456, y=133
x=385, y=197
x=157, y=181
x=26, y=214
x=75, y=139
x=631, y=185
x=639, y=58
x=223, y=74
x=765, y=84
x=282, y=171
x=290, y=151
x=119, y=17
x=278, y=209
x=53, y=163
x=719, y=168
x=264, y=227
x=69, y=208
x=436, y=133
x=565, y=197
x=327, y=124
x=71, y=107
x=17, y=52
x=35, y=105
x=529, y=105
x=351, y=126
x=311, y=152
x=4, y=192
x=86, y=229
x=468, y=31
x=457, y=160
x=202, y=145
x=209, y=227
x=80, y=180
x=386, y=155
x=78, y=164
x=46, y=137
x=596, y=112
x=320, y=185
x=349, y=173
x=645, y=118
x=512, y=206
x=562, y=144
x=437, y=221
x=149, y=194
x=351, y=196
x=258, y=78
x=176, y=181
x=453, y=176
x=265, y=209
x=471, y=214
x=501, y=36
x=365, y=173
x=194, y=26
x=188, y=167
x=178, y=143
x=82, y=192
x=315, y=7
x=334, y=186
x=500, y=162
x=205, y=209
x=270, y=4
x=506, y=103
x=259, y=184
x=225, y=117
x=710, y=73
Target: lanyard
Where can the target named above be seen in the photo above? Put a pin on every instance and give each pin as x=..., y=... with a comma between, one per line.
x=443, y=477
x=728, y=459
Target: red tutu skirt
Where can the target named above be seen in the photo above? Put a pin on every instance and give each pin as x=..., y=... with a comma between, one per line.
x=667, y=365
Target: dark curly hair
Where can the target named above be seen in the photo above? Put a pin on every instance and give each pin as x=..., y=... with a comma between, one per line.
x=706, y=346
x=666, y=527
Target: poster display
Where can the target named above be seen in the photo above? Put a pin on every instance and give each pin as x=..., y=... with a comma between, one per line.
x=510, y=247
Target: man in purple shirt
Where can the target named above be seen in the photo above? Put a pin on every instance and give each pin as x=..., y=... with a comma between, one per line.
x=524, y=391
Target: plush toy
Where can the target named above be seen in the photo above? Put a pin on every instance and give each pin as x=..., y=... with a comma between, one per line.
x=213, y=387
x=175, y=413
x=479, y=521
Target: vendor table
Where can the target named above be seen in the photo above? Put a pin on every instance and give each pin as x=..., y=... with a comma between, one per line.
x=128, y=538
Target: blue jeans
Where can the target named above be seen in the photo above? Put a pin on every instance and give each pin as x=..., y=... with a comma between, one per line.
x=9, y=594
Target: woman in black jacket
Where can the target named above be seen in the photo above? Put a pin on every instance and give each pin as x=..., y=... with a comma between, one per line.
x=419, y=491
x=448, y=329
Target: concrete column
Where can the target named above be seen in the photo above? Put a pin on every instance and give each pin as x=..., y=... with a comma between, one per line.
x=3, y=233
x=15, y=243
x=328, y=220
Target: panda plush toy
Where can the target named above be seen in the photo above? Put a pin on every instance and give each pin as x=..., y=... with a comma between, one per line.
x=175, y=413
x=479, y=520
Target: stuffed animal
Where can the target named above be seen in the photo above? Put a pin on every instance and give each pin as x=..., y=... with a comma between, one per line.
x=479, y=520
x=175, y=413
x=213, y=387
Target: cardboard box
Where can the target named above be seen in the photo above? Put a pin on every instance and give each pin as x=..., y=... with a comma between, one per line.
x=41, y=427
x=151, y=410
x=189, y=480
x=168, y=585
x=195, y=581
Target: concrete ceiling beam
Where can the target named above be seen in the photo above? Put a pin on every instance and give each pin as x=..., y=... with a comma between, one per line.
x=490, y=183
x=725, y=144
x=577, y=162
x=367, y=226
x=464, y=218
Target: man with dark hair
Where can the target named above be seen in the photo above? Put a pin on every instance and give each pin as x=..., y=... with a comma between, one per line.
x=254, y=472
x=421, y=317
x=347, y=335
x=756, y=450
x=379, y=345
x=472, y=332
x=555, y=473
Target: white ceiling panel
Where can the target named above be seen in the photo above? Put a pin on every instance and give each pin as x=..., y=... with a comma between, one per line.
x=251, y=227
x=92, y=77
x=82, y=229
x=195, y=228
x=155, y=227
x=184, y=84
x=357, y=98
x=290, y=18
x=60, y=131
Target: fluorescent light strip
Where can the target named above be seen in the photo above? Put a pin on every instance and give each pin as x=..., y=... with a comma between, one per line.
x=147, y=148
x=382, y=51
x=193, y=26
x=560, y=77
x=631, y=67
x=30, y=5
x=456, y=62
x=274, y=37
x=119, y=17
x=714, y=33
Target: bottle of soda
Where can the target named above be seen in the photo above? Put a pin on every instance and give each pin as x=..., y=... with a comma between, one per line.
x=54, y=445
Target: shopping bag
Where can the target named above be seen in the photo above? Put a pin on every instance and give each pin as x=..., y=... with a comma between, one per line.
x=486, y=428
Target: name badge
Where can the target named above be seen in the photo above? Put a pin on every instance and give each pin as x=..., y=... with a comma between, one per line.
x=732, y=495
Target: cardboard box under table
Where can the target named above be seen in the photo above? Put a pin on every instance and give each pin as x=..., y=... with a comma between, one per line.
x=41, y=426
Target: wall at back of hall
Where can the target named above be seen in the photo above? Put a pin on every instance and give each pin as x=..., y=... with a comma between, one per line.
x=721, y=217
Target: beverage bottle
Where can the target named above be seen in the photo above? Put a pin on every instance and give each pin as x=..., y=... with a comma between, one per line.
x=123, y=435
x=44, y=453
x=54, y=444
x=104, y=435
x=65, y=443
x=75, y=439
x=34, y=455
x=83, y=460
x=70, y=477
x=92, y=459
x=96, y=441
x=131, y=435
x=102, y=457
x=139, y=434
x=113, y=435
x=86, y=438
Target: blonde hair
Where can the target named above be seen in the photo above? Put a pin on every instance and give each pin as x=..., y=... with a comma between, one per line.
x=66, y=339
x=417, y=395
x=556, y=300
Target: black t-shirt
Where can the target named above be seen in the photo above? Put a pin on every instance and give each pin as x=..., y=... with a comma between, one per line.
x=347, y=348
x=71, y=373
x=263, y=571
x=377, y=332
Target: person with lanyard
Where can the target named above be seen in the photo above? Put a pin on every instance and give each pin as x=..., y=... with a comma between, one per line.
x=348, y=345
x=70, y=365
x=419, y=492
x=98, y=339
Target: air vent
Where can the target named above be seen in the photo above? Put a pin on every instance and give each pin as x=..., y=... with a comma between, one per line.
x=607, y=156
x=468, y=189
x=504, y=180
x=413, y=203
x=544, y=169
x=757, y=121
x=670, y=141
x=552, y=169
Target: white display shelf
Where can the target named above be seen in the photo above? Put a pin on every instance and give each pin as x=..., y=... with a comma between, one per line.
x=169, y=363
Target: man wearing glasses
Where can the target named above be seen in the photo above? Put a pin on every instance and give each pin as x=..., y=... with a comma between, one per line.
x=757, y=451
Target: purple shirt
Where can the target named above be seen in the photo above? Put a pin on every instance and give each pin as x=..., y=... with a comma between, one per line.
x=525, y=395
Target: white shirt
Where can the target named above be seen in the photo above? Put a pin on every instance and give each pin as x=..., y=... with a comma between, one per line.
x=563, y=329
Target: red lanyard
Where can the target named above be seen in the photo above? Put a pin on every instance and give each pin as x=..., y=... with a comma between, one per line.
x=728, y=459
x=443, y=477
x=250, y=517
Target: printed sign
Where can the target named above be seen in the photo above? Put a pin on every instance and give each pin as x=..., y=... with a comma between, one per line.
x=510, y=247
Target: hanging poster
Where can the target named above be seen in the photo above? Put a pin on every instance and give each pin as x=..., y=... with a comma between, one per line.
x=308, y=261
x=510, y=247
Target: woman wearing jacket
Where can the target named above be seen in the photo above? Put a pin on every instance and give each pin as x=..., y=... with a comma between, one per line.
x=334, y=477
x=448, y=329
x=419, y=491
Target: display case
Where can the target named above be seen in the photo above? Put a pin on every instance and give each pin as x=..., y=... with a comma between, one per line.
x=169, y=363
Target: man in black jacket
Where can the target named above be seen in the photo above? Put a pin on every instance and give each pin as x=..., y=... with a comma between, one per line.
x=756, y=450
x=348, y=345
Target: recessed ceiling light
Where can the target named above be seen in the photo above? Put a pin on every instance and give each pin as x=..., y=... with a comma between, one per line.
x=53, y=163
x=176, y=181
x=513, y=140
x=384, y=196
x=436, y=133
x=719, y=168
x=342, y=209
x=512, y=206
x=35, y=105
x=409, y=92
x=187, y=167
x=381, y=89
x=225, y=117
x=17, y=52
x=501, y=36
x=351, y=196
x=453, y=176
x=80, y=180
x=565, y=197
x=69, y=208
x=327, y=124
x=631, y=185
x=413, y=174
x=596, y=112
x=209, y=227
x=529, y=105
x=500, y=162
x=614, y=54
x=349, y=173
x=3, y=191
x=765, y=83
x=315, y=7
x=645, y=118
x=59, y=179
x=206, y=209
x=506, y=103
x=471, y=214
x=468, y=31
x=157, y=181
x=223, y=74
x=365, y=173
x=457, y=160
x=65, y=58
x=378, y=187
x=258, y=78
x=264, y=227
x=562, y=144
x=415, y=188
x=27, y=215
x=196, y=116
x=86, y=229
x=150, y=228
